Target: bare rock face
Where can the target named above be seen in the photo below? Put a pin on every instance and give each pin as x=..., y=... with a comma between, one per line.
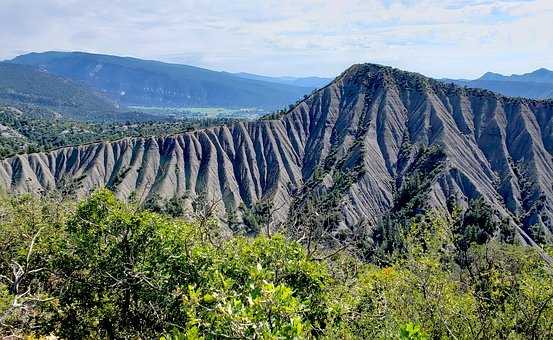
x=497, y=147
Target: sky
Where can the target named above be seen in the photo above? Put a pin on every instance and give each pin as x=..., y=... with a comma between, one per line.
x=438, y=38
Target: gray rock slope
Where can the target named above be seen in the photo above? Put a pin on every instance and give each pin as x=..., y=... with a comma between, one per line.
x=497, y=147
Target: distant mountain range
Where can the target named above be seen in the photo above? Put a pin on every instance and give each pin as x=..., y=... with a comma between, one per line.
x=83, y=85
x=132, y=81
x=21, y=84
x=537, y=84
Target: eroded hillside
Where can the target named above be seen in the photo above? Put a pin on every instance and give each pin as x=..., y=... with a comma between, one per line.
x=359, y=136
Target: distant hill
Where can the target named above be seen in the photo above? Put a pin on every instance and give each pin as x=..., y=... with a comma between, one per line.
x=537, y=84
x=541, y=75
x=132, y=81
x=311, y=82
x=26, y=85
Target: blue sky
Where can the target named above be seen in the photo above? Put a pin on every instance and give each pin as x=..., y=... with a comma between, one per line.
x=439, y=38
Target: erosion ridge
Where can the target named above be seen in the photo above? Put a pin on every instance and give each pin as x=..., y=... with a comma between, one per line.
x=496, y=146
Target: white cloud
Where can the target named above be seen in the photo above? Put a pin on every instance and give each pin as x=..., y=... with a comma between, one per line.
x=439, y=38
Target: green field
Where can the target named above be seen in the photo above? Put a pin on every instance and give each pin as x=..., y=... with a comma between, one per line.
x=201, y=112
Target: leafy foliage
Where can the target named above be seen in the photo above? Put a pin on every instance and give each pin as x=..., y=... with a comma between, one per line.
x=102, y=268
x=115, y=263
x=412, y=332
x=260, y=288
x=505, y=292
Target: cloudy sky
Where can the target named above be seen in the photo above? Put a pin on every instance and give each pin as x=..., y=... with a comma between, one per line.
x=440, y=38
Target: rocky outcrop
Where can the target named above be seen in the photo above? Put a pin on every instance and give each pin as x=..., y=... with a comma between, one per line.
x=498, y=147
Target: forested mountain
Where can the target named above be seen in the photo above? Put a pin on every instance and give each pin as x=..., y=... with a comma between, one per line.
x=375, y=140
x=55, y=96
x=537, y=84
x=132, y=81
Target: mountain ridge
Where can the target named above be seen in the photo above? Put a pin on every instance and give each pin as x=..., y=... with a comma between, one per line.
x=366, y=125
x=541, y=75
x=537, y=84
x=22, y=84
x=135, y=82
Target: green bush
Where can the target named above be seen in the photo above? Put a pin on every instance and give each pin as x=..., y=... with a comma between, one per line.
x=105, y=269
x=265, y=287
